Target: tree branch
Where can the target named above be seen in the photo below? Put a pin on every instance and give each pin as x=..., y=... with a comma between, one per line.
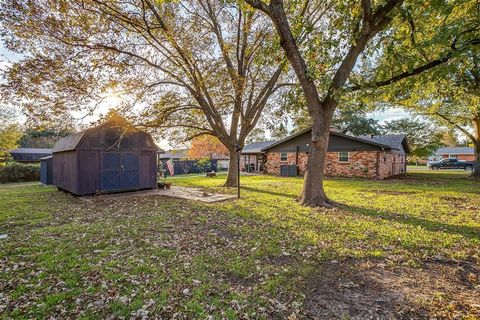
x=416, y=71
x=463, y=130
x=260, y=5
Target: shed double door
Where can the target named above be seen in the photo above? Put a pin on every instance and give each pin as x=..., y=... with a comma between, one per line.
x=120, y=171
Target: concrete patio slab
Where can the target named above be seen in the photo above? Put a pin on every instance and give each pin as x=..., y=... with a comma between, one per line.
x=175, y=192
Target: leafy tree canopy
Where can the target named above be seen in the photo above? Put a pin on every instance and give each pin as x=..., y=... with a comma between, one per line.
x=41, y=138
x=187, y=67
x=256, y=135
x=207, y=146
x=10, y=132
x=423, y=137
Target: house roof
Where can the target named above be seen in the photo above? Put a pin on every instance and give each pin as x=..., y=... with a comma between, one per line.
x=32, y=150
x=394, y=141
x=174, y=154
x=378, y=144
x=256, y=147
x=454, y=150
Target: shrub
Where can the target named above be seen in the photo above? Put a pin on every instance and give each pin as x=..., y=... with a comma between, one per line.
x=203, y=165
x=17, y=172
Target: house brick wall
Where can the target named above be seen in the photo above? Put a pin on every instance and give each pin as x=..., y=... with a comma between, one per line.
x=273, y=163
x=391, y=164
x=361, y=164
x=248, y=159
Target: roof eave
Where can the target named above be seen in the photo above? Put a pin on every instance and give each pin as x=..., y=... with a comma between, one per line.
x=285, y=139
x=331, y=132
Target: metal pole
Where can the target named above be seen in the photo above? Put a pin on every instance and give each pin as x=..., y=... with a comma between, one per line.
x=238, y=149
x=238, y=175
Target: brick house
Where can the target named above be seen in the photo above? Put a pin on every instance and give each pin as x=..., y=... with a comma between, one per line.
x=367, y=157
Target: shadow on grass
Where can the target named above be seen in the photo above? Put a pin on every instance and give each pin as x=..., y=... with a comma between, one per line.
x=465, y=231
x=272, y=193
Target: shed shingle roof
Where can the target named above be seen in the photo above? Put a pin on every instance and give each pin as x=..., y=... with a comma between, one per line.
x=69, y=143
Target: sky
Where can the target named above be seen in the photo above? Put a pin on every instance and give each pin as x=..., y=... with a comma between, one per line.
x=7, y=57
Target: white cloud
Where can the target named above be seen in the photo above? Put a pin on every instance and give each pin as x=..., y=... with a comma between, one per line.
x=389, y=114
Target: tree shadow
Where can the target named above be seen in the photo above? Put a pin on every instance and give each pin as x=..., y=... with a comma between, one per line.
x=435, y=226
x=419, y=182
x=465, y=231
x=269, y=192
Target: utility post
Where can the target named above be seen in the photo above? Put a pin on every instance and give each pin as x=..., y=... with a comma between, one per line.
x=238, y=149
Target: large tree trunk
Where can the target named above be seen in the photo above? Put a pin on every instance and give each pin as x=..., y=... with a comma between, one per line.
x=232, y=170
x=476, y=149
x=476, y=164
x=313, y=194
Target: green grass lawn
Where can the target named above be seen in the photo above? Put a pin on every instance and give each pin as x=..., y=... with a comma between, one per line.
x=413, y=244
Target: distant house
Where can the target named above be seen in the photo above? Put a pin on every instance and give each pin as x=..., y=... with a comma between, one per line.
x=253, y=158
x=183, y=165
x=174, y=154
x=460, y=153
x=30, y=155
x=367, y=157
x=223, y=162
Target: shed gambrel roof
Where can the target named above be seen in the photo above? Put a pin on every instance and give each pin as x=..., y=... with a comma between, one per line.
x=69, y=143
x=256, y=147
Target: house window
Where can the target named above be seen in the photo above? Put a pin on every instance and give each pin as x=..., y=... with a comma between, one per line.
x=343, y=156
x=283, y=156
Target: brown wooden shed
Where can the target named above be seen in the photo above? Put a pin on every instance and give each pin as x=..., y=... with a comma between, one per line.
x=111, y=157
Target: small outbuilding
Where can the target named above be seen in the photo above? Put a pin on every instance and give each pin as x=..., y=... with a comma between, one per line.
x=30, y=155
x=112, y=157
x=46, y=170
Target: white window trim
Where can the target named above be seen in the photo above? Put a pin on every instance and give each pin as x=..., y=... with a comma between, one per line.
x=348, y=155
x=286, y=155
